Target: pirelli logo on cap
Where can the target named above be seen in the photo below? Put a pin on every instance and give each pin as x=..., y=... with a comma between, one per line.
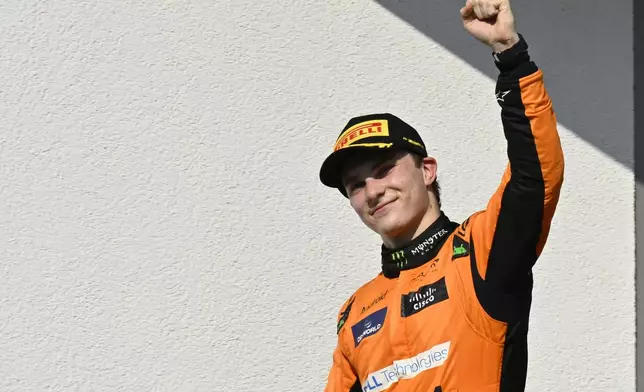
x=372, y=128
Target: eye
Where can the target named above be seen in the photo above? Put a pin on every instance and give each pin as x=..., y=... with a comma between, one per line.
x=355, y=186
x=384, y=170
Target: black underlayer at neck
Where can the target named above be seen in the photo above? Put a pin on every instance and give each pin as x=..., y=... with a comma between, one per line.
x=420, y=250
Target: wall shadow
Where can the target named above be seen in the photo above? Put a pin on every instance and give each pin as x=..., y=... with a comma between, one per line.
x=584, y=48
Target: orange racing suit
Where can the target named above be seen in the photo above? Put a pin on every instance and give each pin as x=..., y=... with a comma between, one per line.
x=449, y=311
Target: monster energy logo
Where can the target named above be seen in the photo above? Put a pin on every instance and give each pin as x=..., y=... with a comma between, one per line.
x=399, y=258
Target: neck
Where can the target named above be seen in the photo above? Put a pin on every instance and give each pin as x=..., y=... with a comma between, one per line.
x=420, y=250
x=416, y=229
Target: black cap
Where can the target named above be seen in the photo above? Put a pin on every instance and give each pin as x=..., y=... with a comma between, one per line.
x=371, y=132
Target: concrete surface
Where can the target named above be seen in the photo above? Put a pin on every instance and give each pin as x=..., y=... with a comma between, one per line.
x=162, y=224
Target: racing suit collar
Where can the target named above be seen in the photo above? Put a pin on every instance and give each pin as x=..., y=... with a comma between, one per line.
x=419, y=251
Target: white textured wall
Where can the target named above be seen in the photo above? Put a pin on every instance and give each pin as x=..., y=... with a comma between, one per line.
x=162, y=227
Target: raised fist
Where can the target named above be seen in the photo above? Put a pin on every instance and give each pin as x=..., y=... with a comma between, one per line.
x=491, y=22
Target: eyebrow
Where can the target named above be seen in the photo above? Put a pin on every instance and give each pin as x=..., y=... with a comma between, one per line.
x=379, y=162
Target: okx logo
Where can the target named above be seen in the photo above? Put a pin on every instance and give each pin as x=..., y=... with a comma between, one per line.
x=368, y=326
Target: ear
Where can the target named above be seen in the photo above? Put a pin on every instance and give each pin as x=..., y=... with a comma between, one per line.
x=430, y=168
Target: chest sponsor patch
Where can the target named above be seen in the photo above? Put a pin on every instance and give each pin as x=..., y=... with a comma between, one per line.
x=368, y=326
x=404, y=369
x=422, y=298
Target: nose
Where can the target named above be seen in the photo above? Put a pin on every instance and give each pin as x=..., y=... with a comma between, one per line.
x=373, y=190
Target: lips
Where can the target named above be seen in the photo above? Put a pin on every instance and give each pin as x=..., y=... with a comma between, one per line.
x=380, y=207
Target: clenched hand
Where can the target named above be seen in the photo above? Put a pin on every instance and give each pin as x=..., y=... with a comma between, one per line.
x=491, y=22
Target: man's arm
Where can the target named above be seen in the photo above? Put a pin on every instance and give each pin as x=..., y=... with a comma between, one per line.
x=341, y=377
x=510, y=234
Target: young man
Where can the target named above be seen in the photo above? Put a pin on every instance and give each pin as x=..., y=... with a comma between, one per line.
x=450, y=310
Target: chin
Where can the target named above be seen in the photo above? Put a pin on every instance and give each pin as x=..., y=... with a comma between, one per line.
x=389, y=227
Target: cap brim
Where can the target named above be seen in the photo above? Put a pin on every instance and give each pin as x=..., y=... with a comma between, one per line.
x=331, y=170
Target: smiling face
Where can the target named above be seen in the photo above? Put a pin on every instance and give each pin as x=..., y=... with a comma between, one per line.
x=391, y=194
